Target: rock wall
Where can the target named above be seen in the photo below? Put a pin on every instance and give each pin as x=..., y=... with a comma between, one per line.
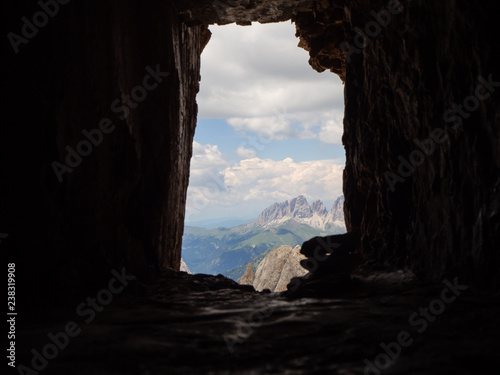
x=439, y=215
x=422, y=177
x=242, y=12
x=123, y=203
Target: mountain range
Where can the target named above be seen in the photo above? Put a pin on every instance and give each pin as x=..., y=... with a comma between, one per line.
x=314, y=215
x=229, y=250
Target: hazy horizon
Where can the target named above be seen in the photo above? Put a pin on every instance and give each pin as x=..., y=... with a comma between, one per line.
x=211, y=221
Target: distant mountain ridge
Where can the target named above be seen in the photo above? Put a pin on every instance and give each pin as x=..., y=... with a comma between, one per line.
x=228, y=250
x=299, y=210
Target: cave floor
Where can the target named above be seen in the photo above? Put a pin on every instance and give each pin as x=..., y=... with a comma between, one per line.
x=208, y=325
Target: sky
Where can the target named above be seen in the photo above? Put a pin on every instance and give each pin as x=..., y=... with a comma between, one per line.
x=269, y=126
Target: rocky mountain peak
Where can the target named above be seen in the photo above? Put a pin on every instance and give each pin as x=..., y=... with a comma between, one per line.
x=299, y=201
x=315, y=215
x=273, y=212
x=319, y=207
x=300, y=208
x=337, y=211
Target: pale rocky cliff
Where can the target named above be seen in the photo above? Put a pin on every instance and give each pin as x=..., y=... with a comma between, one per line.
x=249, y=275
x=277, y=269
x=337, y=211
x=298, y=209
x=184, y=267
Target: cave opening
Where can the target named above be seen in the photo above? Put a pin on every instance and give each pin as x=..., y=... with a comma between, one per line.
x=268, y=133
x=120, y=212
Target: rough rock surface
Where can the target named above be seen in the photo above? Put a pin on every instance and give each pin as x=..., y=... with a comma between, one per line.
x=210, y=325
x=243, y=12
x=124, y=204
x=443, y=215
x=321, y=32
x=278, y=268
x=403, y=73
x=248, y=277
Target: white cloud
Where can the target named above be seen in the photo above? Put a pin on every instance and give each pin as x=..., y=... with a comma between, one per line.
x=252, y=184
x=326, y=126
x=269, y=180
x=266, y=128
x=255, y=71
x=260, y=82
x=206, y=164
x=331, y=129
x=245, y=153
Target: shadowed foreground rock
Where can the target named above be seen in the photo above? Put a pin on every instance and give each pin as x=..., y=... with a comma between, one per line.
x=179, y=326
x=331, y=261
x=338, y=244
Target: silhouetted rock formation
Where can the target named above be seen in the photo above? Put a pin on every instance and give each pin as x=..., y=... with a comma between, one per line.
x=421, y=181
x=204, y=324
x=330, y=261
x=123, y=204
x=338, y=244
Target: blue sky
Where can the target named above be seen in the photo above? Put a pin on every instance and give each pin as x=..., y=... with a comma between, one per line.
x=219, y=132
x=269, y=126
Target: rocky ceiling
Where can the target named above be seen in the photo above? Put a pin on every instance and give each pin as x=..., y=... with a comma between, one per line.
x=320, y=24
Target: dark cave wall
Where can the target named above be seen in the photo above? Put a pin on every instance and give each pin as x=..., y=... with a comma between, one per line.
x=443, y=219
x=123, y=205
